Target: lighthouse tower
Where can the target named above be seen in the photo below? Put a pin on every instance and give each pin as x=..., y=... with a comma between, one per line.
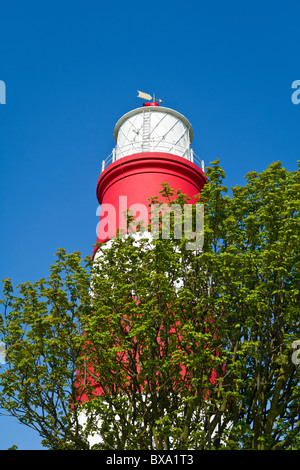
x=153, y=146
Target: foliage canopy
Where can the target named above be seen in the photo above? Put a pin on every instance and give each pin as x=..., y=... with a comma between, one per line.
x=162, y=347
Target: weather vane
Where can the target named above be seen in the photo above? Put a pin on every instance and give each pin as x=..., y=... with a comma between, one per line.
x=146, y=96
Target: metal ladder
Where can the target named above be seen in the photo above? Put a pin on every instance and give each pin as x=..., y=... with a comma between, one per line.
x=146, y=131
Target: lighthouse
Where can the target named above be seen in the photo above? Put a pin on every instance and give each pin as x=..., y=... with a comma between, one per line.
x=153, y=146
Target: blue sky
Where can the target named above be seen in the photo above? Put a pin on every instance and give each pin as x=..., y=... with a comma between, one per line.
x=72, y=69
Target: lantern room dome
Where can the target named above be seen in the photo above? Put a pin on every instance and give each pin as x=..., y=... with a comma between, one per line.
x=153, y=129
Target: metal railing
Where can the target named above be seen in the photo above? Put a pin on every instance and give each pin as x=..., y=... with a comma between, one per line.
x=137, y=147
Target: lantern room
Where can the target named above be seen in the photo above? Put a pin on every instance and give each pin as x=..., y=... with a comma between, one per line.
x=152, y=128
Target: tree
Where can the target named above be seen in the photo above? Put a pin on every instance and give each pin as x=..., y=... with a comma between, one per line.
x=153, y=363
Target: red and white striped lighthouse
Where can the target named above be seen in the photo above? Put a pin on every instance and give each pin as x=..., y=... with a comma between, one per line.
x=153, y=146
